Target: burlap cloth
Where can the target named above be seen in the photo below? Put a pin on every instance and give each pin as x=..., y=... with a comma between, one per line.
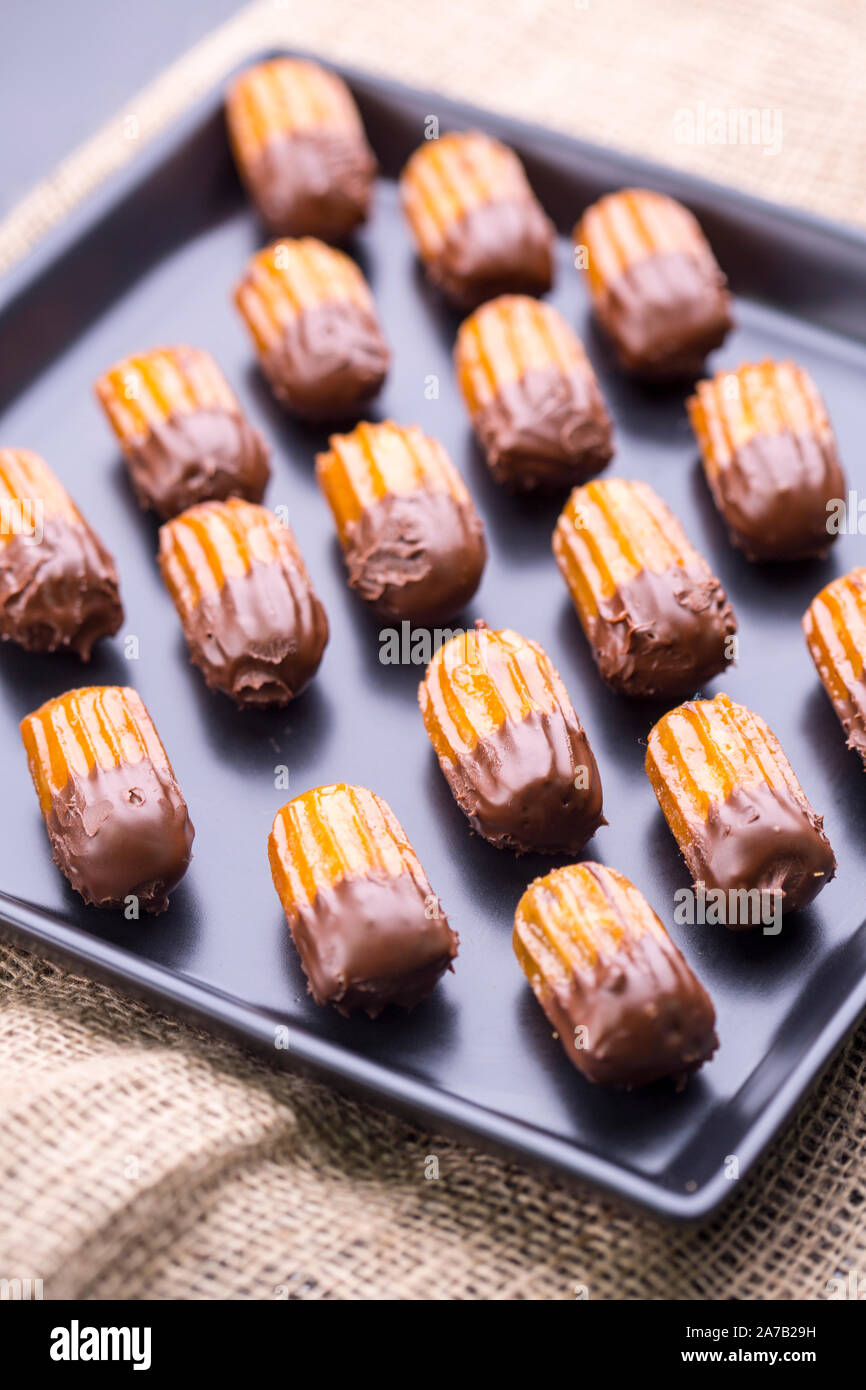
x=143, y=1159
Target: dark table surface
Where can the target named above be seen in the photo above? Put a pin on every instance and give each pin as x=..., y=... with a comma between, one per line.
x=67, y=68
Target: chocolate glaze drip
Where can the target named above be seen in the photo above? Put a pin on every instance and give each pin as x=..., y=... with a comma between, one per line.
x=500, y=247
x=261, y=636
x=548, y=430
x=645, y=1013
x=373, y=941
x=60, y=593
x=774, y=493
x=851, y=711
x=517, y=787
x=121, y=831
x=665, y=313
x=766, y=838
x=662, y=634
x=313, y=183
x=330, y=360
x=416, y=556
x=198, y=456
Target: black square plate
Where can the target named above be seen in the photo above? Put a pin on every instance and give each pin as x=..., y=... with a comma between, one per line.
x=151, y=259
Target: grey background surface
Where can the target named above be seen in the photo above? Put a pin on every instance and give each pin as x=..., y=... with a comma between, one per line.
x=68, y=65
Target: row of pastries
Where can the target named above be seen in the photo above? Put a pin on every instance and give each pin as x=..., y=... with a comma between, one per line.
x=368, y=927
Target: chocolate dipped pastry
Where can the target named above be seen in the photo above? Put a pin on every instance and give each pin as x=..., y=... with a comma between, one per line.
x=115, y=815
x=58, y=583
x=735, y=807
x=312, y=318
x=412, y=539
x=532, y=395
x=627, y=1008
x=770, y=459
x=656, y=287
x=657, y=619
x=835, y=629
x=477, y=225
x=252, y=621
x=300, y=148
x=509, y=743
x=367, y=925
x=183, y=433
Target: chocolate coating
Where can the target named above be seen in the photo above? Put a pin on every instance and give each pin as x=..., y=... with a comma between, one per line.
x=499, y=247
x=198, y=456
x=61, y=593
x=313, y=183
x=369, y=942
x=121, y=831
x=416, y=555
x=518, y=790
x=548, y=430
x=330, y=360
x=665, y=313
x=851, y=712
x=646, y=1015
x=260, y=637
x=774, y=494
x=765, y=838
x=663, y=634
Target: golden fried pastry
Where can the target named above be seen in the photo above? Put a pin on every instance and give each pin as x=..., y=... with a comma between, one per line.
x=532, y=395
x=412, y=539
x=250, y=615
x=183, y=433
x=835, y=628
x=770, y=459
x=476, y=223
x=734, y=805
x=115, y=815
x=300, y=148
x=656, y=287
x=367, y=926
x=58, y=583
x=509, y=743
x=657, y=618
x=311, y=316
x=626, y=1006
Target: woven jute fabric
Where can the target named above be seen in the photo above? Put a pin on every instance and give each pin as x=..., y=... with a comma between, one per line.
x=142, y=1158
